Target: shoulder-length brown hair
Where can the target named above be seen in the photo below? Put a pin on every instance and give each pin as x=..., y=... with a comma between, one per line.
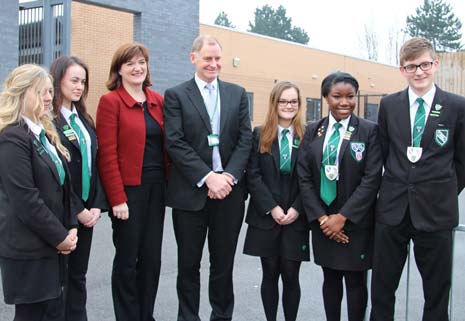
x=122, y=55
x=270, y=128
x=58, y=70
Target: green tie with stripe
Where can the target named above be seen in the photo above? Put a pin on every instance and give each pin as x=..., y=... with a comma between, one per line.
x=84, y=159
x=419, y=123
x=284, y=154
x=328, y=187
x=58, y=164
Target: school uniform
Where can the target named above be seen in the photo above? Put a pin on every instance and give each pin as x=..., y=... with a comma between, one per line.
x=76, y=293
x=359, y=165
x=269, y=188
x=418, y=197
x=38, y=209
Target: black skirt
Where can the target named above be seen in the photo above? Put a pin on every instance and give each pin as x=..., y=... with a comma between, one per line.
x=357, y=255
x=282, y=240
x=32, y=281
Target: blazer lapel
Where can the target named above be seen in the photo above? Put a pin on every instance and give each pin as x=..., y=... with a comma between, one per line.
x=432, y=121
x=196, y=98
x=275, y=155
x=318, y=141
x=63, y=126
x=353, y=124
x=93, y=137
x=403, y=118
x=43, y=154
x=224, y=99
x=295, y=150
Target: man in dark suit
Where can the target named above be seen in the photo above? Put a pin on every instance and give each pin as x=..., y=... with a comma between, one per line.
x=422, y=131
x=208, y=138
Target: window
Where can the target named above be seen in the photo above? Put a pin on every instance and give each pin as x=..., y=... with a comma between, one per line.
x=313, y=109
x=250, y=100
x=371, y=112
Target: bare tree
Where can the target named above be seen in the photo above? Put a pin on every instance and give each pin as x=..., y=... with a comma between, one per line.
x=395, y=39
x=369, y=42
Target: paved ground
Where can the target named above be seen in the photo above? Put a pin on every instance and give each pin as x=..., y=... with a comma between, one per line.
x=247, y=279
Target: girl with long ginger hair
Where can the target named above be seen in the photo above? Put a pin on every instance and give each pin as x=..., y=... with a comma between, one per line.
x=278, y=230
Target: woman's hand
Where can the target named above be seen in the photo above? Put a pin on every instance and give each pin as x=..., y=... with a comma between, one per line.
x=332, y=226
x=69, y=243
x=121, y=211
x=291, y=216
x=278, y=214
x=85, y=217
x=95, y=216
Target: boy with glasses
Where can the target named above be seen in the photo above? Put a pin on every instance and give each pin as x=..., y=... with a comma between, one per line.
x=422, y=131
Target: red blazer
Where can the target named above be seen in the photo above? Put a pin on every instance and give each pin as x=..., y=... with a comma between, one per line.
x=121, y=139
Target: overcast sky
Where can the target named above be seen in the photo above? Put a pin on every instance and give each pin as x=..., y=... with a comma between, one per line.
x=333, y=25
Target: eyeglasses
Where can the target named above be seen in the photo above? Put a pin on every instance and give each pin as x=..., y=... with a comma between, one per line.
x=425, y=66
x=284, y=103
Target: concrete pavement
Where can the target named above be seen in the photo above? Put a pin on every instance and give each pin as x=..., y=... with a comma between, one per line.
x=247, y=275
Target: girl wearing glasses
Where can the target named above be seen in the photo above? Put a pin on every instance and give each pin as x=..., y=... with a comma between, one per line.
x=339, y=174
x=278, y=230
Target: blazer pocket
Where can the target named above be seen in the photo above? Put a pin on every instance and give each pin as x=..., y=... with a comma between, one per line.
x=22, y=239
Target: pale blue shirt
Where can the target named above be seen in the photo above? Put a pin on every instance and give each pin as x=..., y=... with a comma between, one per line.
x=216, y=157
x=67, y=114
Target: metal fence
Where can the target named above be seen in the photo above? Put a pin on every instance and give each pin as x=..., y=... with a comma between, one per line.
x=44, y=29
x=459, y=228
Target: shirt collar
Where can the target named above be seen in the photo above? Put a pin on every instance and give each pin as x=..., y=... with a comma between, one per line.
x=35, y=128
x=344, y=122
x=67, y=113
x=201, y=84
x=280, y=130
x=428, y=97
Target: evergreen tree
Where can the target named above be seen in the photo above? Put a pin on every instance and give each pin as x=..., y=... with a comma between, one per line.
x=274, y=23
x=223, y=20
x=435, y=21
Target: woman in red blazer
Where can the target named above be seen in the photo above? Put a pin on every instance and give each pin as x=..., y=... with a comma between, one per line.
x=132, y=165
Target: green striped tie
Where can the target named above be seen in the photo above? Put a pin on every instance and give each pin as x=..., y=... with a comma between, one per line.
x=328, y=189
x=84, y=157
x=284, y=154
x=58, y=164
x=419, y=123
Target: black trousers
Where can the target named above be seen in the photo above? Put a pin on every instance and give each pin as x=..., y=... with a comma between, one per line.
x=221, y=220
x=433, y=256
x=136, y=266
x=75, y=290
x=50, y=310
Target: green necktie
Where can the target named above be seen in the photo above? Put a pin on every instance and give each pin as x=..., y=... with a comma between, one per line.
x=58, y=164
x=84, y=159
x=419, y=123
x=284, y=154
x=328, y=190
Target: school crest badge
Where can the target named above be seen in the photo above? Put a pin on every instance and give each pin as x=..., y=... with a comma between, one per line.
x=441, y=136
x=357, y=150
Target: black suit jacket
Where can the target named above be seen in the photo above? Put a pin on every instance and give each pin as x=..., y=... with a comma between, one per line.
x=36, y=211
x=428, y=188
x=263, y=183
x=358, y=182
x=97, y=197
x=187, y=127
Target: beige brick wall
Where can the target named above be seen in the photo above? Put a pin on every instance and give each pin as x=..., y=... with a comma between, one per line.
x=264, y=60
x=96, y=33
